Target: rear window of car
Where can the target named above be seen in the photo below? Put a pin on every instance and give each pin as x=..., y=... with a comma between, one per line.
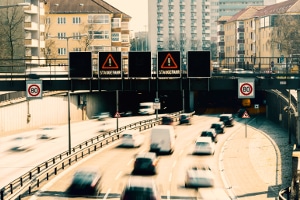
x=202, y=144
x=127, y=136
x=134, y=193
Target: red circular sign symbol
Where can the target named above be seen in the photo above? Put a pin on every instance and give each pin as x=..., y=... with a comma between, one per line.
x=246, y=89
x=34, y=90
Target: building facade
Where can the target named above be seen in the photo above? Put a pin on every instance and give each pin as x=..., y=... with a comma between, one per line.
x=247, y=39
x=189, y=24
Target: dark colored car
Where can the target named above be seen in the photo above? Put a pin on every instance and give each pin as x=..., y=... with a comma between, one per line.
x=185, y=119
x=145, y=163
x=139, y=188
x=210, y=133
x=218, y=126
x=167, y=120
x=85, y=181
x=227, y=119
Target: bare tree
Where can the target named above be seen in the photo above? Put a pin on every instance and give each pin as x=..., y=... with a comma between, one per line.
x=12, y=34
x=286, y=35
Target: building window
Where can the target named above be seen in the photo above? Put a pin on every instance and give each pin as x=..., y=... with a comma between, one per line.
x=77, y=49
x=116, y=23
x=76, y=20
x=76, y=36
x=62, y=51
x=115, y=37
x=61, y=36
x=99, y=35
x=47, y=20
x=61, y=20
x=98, y=19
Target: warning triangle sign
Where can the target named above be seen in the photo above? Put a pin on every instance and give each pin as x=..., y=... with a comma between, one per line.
x=169, y=63
x=245, y=115
x=110, y=63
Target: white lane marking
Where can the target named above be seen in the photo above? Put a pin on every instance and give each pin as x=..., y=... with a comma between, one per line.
x=107, y=193
x=168, y=194
x=118, y=175
x=130, y=161
x=170, y=177
x=174, y=164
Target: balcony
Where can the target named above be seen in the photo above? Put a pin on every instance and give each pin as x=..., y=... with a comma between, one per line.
x=241, y=52
x=32, y=9
x=241, y=30
x=221, y=32
x=31, y=43
x=222, y=43
x=31, y=26
x=241, y=41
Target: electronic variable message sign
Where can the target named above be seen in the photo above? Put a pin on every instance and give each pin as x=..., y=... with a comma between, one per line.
x=110, y=64
x=139, y=64
x=80, y=64
x=198, y=64
x=168, y=64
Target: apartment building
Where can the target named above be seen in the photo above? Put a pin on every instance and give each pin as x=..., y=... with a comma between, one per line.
x=84, y=25
x=245, y=39
x=190, y=24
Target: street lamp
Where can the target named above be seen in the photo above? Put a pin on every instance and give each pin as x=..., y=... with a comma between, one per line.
x=68, y=92
x=15, y=5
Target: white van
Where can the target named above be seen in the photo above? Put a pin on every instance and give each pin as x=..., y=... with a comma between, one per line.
x=132, y=138
x=162, y=139
x=146, y=108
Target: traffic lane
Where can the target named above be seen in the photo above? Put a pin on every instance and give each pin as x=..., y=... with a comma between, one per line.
x=117, y=165
x=16, y=163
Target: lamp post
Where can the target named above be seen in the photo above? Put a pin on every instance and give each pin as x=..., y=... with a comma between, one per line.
x=15, y=5
x=68, y=92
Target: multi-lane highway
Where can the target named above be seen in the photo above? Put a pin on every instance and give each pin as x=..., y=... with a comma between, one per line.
x=15, y=163
x=116, y=163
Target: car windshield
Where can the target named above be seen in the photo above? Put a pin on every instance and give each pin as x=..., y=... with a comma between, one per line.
x=215, y=125
x=224, y=118
x=201, y=144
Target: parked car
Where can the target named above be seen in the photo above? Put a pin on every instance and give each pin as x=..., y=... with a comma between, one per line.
x=218, y=126
x=132, y=138
x=204, y=145
x=140, y=188
x=199, y=177
x=86, y=181
x=210, y=133
x=145, y=163
x=185, y=118
x=227, y=119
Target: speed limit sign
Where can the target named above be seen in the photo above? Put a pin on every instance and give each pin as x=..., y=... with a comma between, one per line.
x=34, y=89
x=246, y=88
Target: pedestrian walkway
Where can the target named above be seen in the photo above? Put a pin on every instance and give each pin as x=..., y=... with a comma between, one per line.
x=258, y=161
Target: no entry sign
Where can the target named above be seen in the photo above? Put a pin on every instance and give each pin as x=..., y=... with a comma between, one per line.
x=34, y=89
x=246, y=88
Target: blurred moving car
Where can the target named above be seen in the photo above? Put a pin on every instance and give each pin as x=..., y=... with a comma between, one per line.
x=218, y=126
x=101, y=116
x=162, y=139
x=86, y=181
x=47, y=133
x=204, y=145
x=210, y=133
x=126, y=113
x=185, y=118
x=132, y=138
x=227, y=119
x=140, y=188
x=145, y=163
x=106, y=127
x=167, y=120
x=199, y=177
x=23, y=143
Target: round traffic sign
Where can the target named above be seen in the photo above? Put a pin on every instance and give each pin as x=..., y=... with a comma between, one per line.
x=246, y=89
x=34, y=90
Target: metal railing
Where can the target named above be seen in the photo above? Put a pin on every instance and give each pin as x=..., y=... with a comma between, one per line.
x=24, y=185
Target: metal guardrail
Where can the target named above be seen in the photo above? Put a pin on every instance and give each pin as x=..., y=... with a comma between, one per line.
x=24, y=185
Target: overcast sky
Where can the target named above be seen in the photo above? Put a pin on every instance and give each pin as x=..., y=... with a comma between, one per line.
x=137, y=9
